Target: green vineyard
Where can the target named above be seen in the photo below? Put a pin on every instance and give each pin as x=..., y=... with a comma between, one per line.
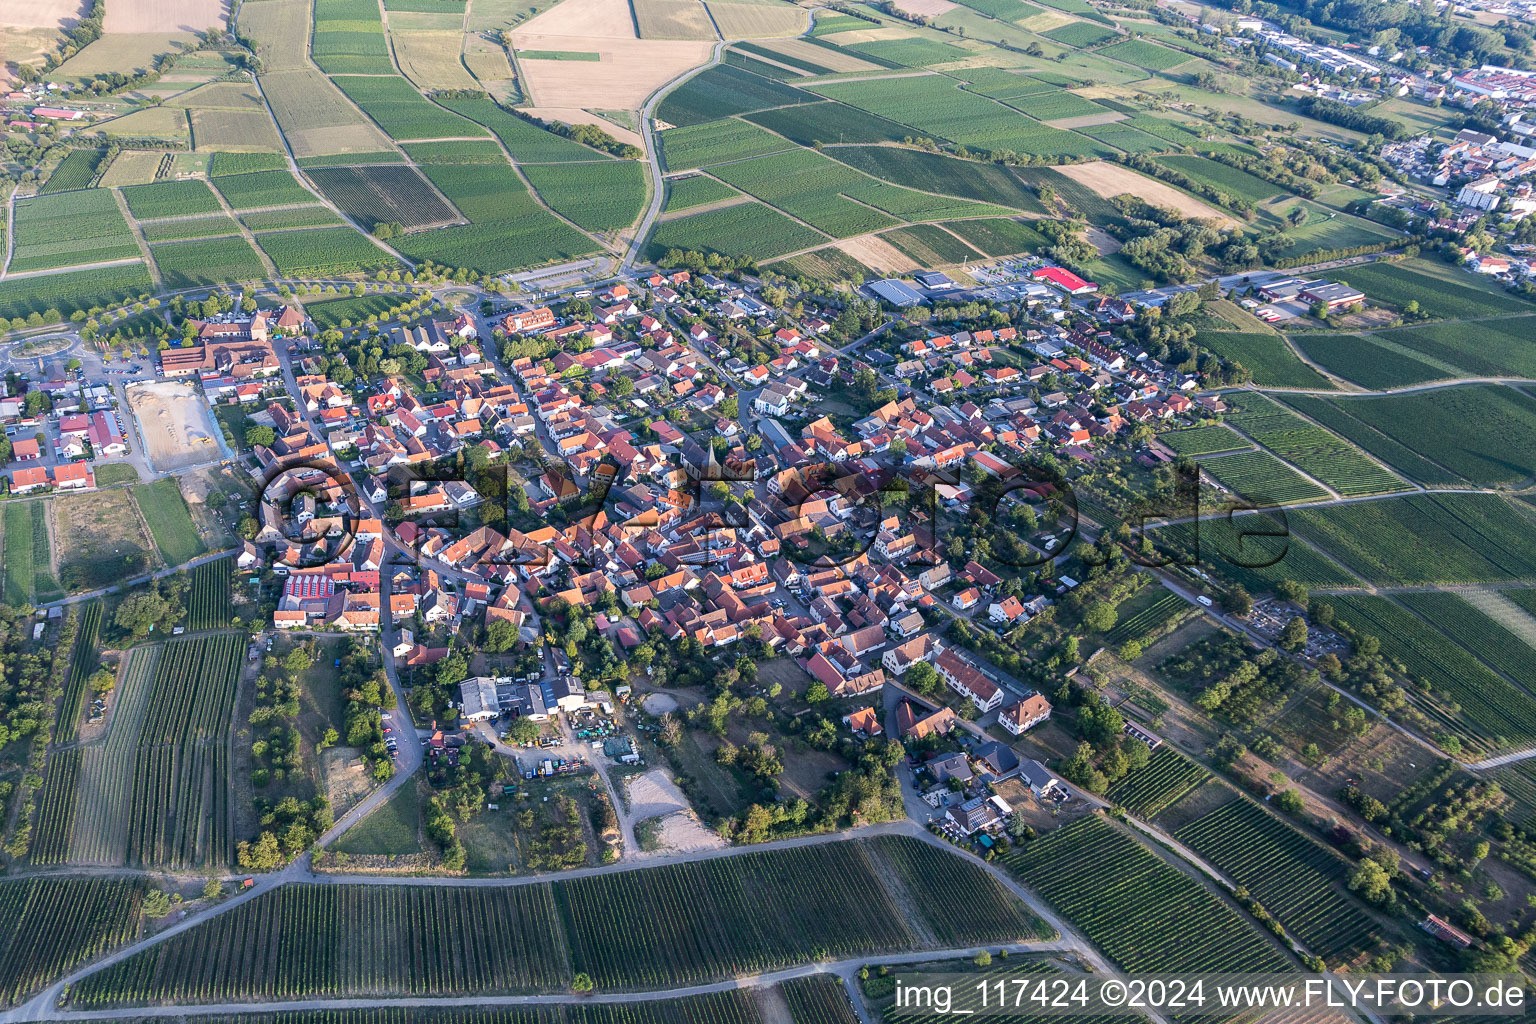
x=80, y=668
x=670, y=925
x=50, y=925
x=1290, y=875
x=1144, y=914
x=208, y=607
x=734, y=1007
x=1157, y=784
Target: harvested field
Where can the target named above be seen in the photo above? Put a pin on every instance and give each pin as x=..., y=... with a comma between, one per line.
x=878, y=254
x=48, y=14
x=627, y=74
x=125, y=52
x=575, y=115
x=800, y=49
x=149, y=122
x=317, y=118
x=165, y=15
x=132, y=167
x=1112, y=180
x=592, y=19
x=925, y=8
x=1088, y=120
x=175, y=424
x=758, y=21
x=673, y=19
x=866, y=35
x=234, y=131
x=101, y=539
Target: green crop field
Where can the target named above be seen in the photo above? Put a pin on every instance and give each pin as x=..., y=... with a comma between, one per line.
x=77, y=170
x=1144, y=914
x=1259, y=476
x=910, y=53
x=1166, y=777
x=528, y=143
x=403, y=112
x=1266, y=356
x=938, y=108
x=1484, y=637
x=257, y=189
x=170, y=521
x=156, y=792
x=826, y=264
x=1488, y=348
x=69, y=228
x=392, y=193
x=508, y=230
x=208, y=605
x=1440, y=291
x=297, y=217
x=808, y=186
x=1256, y=552
x=1080, y=34
x=349, y=37
x=721, y=91
x=181, y=230
x=1425, y=538
x=933, y=172
x=82, y=664
x=1056, y=105
x=1363, y=361
x=1312, y=449
x=1206, y=440
x=1228, y=179
x=827, y=122
x=818, y=999
x=53, y=925
x=602, y=196
x=1464, y=697
x=170, y=199
x=749, y=229
x=1295, y=878
x=1123, y=136
x=62, y=294
x=1147, y=616
x=207, y=262
x=1145, y=54
x=1441, y=436
x=696, y=190
x=663, y=926
x=715, y=142
x=244, y=163
x=324, y=252
x=328, y=313
x=28, y=579
x=1327, y=231
x=930, y=245
x=998, y=236
x=459, y=151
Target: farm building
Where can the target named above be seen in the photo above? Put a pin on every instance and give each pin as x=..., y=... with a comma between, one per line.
x=897, y=293
x=1065, y=280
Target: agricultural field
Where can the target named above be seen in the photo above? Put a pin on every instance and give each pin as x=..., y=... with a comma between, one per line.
x=183, y=230
x=818, y=999
x=296, y=217
x=132, y=167
x=1488, y=348
x=226, y=164
x=1144, y=914
x=998, y=237
x=1425, y=538
x=1145, y=54
x=828, y=264
x=207, y=262
x=1080, y=34
x=258, y=189
x=461, y=151
x=1441, y=437
x=828, y=122
x=349, y=38
x=1484, y=637
x=1327, y=231
x=930, y=245
x=721, y=91
x=429, y=57
x=1228, y=179
x=1465, y=698
x=208, y=606
x=53, y=296
x=934, y=172
x=1266, y=356
x=1296, y=879
x=28, y=572
x=403, y=112
x=316, y=117
x=716, y=142
x=603, y=195
x=1162, y=781
x=68, y=229
x=1147, y=616
x=1208, y=440
x=52, y=925
x=939, y=109
x=170, y=199
x=808, y=186
x=527, y=142
x=658, y=927
x=1257, y=554
x=391, y=193
x=329, y=313
x=1363, y=360
x=82, y=663
x=508, y=230
x=1440, y=291
x=77, y=170
x=1310, y=448
x=169, y=519
x=909, y=53
x=696, y=190
x=324, y=252
x=155, y=793
x=1259, y=476
x=749, y=229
